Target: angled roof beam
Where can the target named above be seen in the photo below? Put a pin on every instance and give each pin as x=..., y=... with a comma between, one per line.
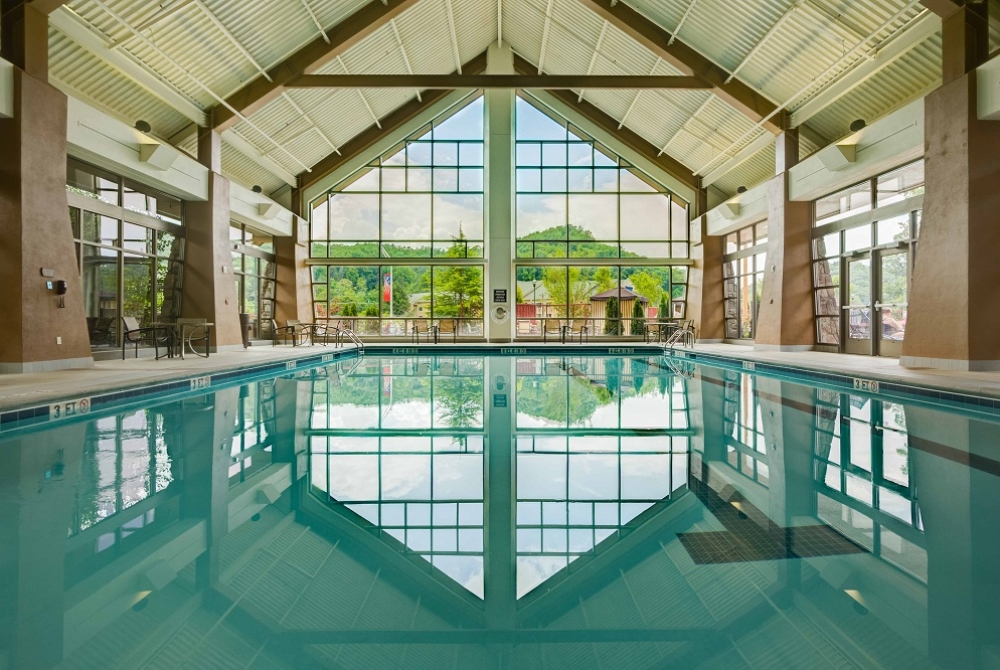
x=737, y=94
x=943, y=8
x=609, y=124
x=363, y=142
x=473, y=81
x=309, y=58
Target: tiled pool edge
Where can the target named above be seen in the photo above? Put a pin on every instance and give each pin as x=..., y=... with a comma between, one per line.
x=34, y=414
x=844, y=381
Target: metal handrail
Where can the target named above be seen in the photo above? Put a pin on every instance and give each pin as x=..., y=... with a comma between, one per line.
x=683, y=336
x=352, y=336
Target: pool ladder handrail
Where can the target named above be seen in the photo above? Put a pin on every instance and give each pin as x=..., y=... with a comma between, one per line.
x=352, y=336
x=682, y=336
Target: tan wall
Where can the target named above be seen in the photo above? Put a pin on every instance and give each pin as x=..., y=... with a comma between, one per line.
x=35, y=233
x=293, y=298
x=786, y=317
x=953, y=305
x=209, y=288
x=705, y=287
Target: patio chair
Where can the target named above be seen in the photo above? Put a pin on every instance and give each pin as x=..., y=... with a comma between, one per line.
x=552, y=327
x=448, y=327
x=579, y=328
x=420, y=327
x=133, y=333
x=292, y=331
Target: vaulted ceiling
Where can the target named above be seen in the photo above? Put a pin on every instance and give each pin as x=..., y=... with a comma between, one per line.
x=821, y=63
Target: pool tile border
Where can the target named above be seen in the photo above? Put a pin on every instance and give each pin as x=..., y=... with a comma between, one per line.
x=844, y=382
x=36, y=414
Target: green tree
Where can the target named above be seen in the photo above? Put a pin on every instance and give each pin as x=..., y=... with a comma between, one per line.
x=458, y=289
x=605, y=279
x=519, y=296
x=638, y=318
x=612, y=317
x=647, y=286
x=663, y=311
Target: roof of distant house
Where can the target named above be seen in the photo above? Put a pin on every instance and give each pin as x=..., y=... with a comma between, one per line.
x=620, y=293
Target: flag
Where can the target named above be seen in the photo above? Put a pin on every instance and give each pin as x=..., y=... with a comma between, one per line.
x=387, y=289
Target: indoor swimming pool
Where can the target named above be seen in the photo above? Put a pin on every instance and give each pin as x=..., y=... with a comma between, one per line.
x=537, y=510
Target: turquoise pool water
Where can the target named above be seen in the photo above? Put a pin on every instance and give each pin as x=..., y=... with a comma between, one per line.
x=505, y=512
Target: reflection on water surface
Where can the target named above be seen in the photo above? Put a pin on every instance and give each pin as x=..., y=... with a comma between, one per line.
x=531, y=511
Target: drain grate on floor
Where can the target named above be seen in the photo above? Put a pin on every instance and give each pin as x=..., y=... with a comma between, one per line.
x=756, y=544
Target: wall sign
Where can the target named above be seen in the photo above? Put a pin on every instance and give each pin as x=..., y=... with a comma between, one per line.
x=499, y=295
x=499, y=399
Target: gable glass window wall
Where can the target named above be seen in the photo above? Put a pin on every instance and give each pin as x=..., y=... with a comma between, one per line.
x=130, y=251
x=579, y=202
x=398, y=246
x=864, y=246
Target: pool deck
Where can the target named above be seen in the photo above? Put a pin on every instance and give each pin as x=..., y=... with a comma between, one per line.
x=41, y=387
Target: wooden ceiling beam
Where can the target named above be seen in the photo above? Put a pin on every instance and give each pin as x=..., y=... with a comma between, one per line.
x=627, y=137
x=258, y=92
x=550, y=82
x=365, y=140
x=737, y=94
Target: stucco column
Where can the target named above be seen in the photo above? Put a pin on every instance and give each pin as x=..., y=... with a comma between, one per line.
x=705, y=294
x=499, y=196
x=786, y=321
x=293, y=298
x=40, y=330
x=209, y=282
x=954, y=302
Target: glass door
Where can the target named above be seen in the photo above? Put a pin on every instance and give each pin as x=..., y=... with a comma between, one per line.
x=858, y=307
x=890, y=301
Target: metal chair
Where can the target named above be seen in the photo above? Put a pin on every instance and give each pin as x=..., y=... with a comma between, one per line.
x=552, y=327
x=292, y=330
x=447, y=327
x=133, y=333
x=420, y=327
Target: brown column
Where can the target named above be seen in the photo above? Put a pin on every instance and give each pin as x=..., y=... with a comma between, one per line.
x=209, y=282
x=36, y=334
x=705, y=284
x=786, y=321
x=293, y=297
x=955, y=294
x=24, y=37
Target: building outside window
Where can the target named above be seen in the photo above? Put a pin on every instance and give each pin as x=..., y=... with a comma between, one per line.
x=130, y=251
x=254, y=266
x=743, y=274
x=624, y=237
x=401, y=242
x=864, y=247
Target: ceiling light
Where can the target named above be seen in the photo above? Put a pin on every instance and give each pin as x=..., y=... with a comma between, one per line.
x=857, y=124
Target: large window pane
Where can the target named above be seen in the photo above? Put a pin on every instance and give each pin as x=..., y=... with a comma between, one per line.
x=354, y=216
x=406, y=216
x=645, y=217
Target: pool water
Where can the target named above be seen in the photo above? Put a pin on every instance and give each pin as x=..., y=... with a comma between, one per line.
x=534, y=511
